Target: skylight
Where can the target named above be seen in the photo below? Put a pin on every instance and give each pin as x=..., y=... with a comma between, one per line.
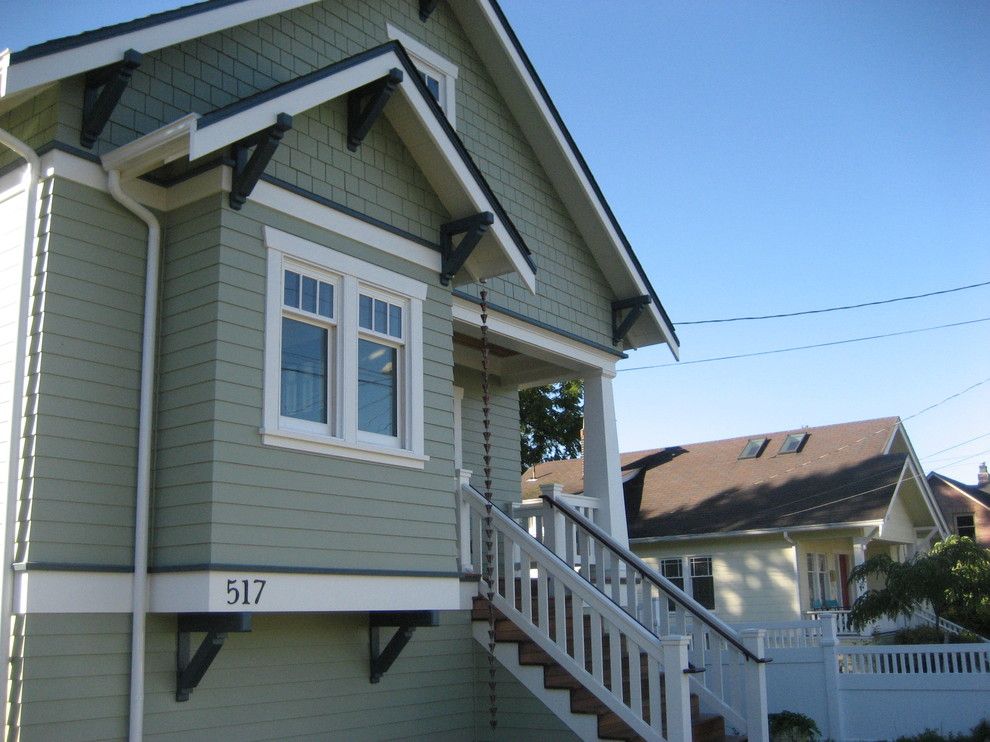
x=753, y=448
x=793, y=443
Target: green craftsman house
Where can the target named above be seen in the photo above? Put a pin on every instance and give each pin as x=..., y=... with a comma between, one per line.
x=244, y=247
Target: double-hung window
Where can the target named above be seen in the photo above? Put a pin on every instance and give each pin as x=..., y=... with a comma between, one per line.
x=438, y=73
x=343, y=355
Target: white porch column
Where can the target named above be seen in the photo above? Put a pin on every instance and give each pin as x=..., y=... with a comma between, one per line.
x=859, y=556
x=602, y=476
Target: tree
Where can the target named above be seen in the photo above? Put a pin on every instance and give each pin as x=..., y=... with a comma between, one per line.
x=953, y=576
x=550, y=422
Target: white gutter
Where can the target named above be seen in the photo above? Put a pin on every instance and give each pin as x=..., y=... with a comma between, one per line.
x=31, y=180
x=752, y=532
x=139, y=598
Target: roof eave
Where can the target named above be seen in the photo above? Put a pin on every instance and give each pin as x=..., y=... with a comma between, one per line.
x=755, y=532
x=565, y=166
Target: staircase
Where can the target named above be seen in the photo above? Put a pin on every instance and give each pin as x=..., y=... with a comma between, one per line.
x=606, y=723
x=630, y=656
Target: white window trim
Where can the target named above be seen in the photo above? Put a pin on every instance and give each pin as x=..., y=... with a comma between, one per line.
x=354, y=274
x=429, y=61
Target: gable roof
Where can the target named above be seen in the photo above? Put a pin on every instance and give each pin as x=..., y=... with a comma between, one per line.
x=843, y=474
x=950, y=490
x=489, y=31
x=413, y=113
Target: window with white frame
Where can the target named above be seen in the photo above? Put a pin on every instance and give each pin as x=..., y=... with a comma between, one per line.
x=966, y=525
x=823, y=584
x=438, y=73
x=343, y=355
x=693, y=575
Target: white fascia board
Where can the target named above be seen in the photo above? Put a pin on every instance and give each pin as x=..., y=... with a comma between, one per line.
x=915, y=464
x=754, y=532
x=542, y=342
x=77, y=59
x=961, y=492
x=481, y=10
x=4, y=71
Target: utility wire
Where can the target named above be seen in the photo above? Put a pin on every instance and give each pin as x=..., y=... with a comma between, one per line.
x=957, y=445
x=964, y=458
x=834, y=309
x=809, y=347
x=950, y=397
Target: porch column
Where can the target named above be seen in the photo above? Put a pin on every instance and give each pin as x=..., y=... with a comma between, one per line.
x=859, y=556
x=602, y=476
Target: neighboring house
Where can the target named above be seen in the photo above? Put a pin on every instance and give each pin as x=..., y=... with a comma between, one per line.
x=275, y=428
x=966, y=507
x=767, y=527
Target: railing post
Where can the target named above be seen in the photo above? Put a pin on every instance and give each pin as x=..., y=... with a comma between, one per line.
x=830, y=642
x=677, y=691
x=554, y=531
x=757, y=724
x=464, y=522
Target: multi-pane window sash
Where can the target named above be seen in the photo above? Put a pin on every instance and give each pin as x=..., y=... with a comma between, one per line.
x=308, y=349
x=380, y=361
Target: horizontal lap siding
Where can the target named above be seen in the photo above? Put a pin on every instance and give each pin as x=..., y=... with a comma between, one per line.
x=278, y=507
x=505, y=435
x=203, y=74
x=69, y=677
x=306, y=677
x=84, y=381
x=185, y=430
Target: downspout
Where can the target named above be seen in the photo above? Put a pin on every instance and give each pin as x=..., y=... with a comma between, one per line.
x=31, y=181
x=142, y=500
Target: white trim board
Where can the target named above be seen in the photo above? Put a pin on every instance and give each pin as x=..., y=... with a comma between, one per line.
x=51, y=591
x=39, y=71
x=541, y=342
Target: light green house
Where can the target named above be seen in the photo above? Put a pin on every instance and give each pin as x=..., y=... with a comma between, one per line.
x=242, y=362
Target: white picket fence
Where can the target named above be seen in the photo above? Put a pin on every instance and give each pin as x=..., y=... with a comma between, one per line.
x=870, y=692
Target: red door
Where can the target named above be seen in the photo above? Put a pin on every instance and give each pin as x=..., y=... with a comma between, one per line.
x=843, y=579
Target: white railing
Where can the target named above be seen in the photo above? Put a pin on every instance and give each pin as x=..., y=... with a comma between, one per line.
x=841, y=616
x=582, y=630
x=789, y=634
x=919, y=659
x=529, y=513
x=928, y=617
x=727, y=669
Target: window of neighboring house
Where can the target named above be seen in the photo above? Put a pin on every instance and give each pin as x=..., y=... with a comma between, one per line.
x=793, y=443
x=343, y=355
x=438, y=73
x=823, y=586
x=966, y=526
x=701, y=585
x=703, y=581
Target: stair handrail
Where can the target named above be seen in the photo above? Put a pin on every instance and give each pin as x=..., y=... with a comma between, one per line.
x=646, y=640
x=670, y=589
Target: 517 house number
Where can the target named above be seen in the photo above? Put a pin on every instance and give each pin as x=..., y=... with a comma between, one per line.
x=245, y=592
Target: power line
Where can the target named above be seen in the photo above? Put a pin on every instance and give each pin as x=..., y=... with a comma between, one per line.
x=809, y=347
x=950, y=397
x=957, y=445
x=834, y=309
x=964, y=458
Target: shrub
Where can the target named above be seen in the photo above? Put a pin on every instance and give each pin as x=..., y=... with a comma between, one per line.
x=979, y=733
x=790, y=726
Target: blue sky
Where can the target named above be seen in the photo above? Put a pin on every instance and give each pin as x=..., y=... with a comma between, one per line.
x=768, y=157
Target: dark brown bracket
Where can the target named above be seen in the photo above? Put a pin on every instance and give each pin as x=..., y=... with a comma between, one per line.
x=426, y=7
x=190, y=670
x=102, y=93
x=406, y=622
x=366, y=104
x=634, y=307
x=248, y=170
x=452, y=258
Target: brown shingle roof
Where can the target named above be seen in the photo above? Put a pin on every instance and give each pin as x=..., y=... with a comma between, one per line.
x=945, y=488
x=840, y=475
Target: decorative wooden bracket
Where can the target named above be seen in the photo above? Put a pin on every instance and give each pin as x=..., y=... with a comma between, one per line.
x=426, y=7
x=102, y=94
x=406, y=622
x=361, y=115
x=247, y=171
x=452, y=258
x=189, y=671
x=635, y=305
